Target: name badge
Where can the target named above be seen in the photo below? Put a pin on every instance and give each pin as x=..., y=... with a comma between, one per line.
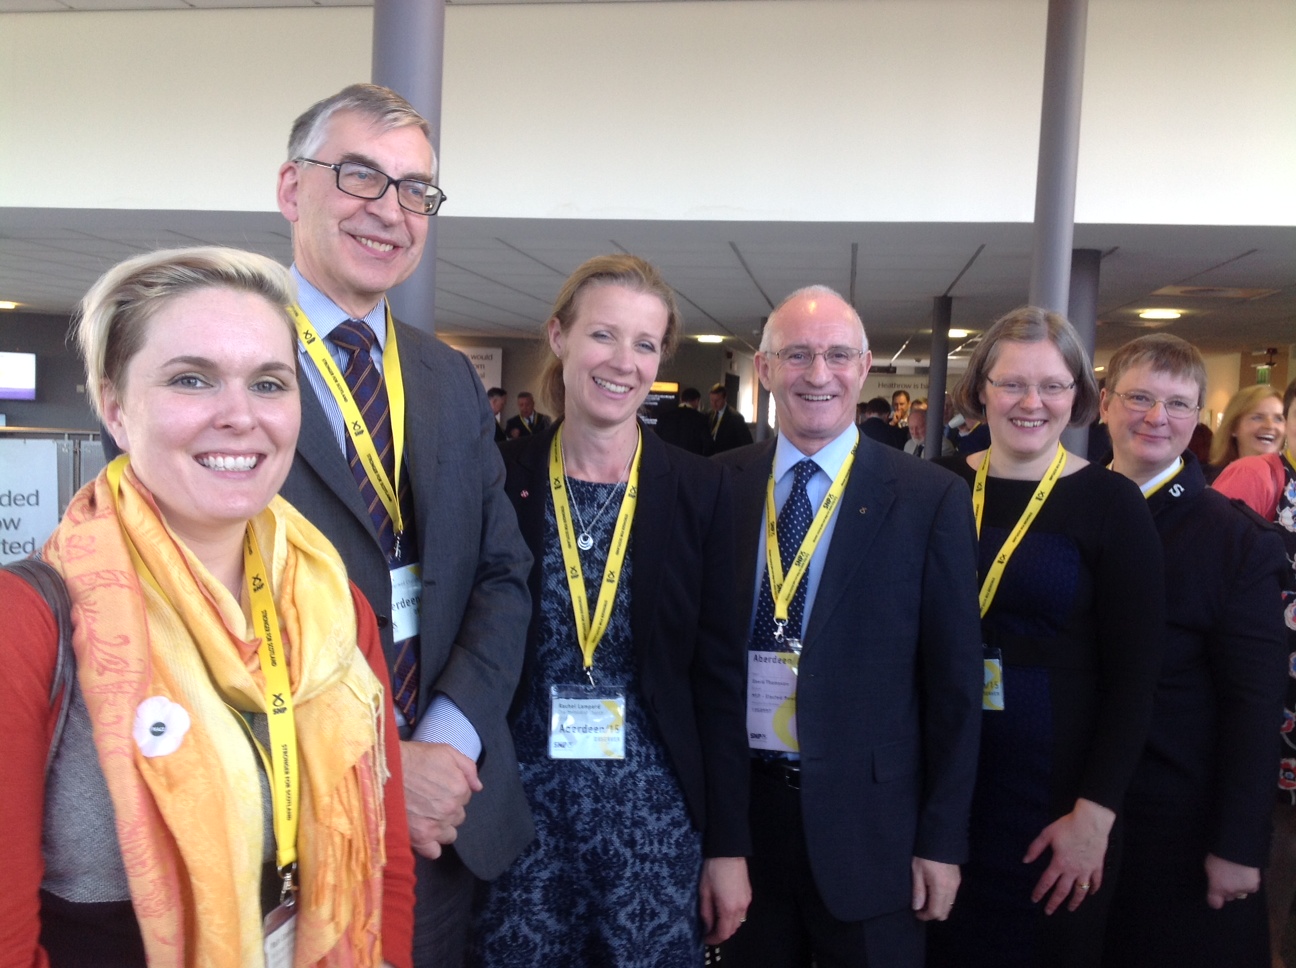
x=407, y=594
x=586, y=723
x=771, y=701
x=992, y=691
x=280, y=927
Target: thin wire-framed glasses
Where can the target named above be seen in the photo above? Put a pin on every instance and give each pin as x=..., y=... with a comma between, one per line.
x=802, y=357
x=1140, y=402
x=361, y=181
x=1047, y=391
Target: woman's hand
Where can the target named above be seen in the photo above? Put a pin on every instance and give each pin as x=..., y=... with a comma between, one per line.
x=725, y=893
x=1227, y=881
x=1079, y=844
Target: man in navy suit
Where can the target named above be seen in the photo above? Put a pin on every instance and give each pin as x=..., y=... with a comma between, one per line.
x=728, y=428
x=528, y=421
x=864, y=696
x=359, y=188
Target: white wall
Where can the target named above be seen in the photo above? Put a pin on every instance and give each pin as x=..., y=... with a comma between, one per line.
x=850, y=110
x=1221, y=384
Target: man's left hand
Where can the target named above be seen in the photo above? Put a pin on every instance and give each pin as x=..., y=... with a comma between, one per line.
x=934, y=887
x=725, y=893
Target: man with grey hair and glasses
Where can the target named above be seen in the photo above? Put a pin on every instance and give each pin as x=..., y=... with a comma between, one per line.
x=863, y=697
x=397, y=465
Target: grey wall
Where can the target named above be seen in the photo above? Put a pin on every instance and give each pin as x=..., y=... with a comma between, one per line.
x=59, y=403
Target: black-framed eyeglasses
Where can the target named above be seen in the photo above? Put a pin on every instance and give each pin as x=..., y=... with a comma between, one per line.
x=1140, y=402
x=802, y=357
x=1016, y=390
x=361, y=181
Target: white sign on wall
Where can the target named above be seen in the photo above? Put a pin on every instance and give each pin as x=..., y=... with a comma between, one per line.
x=28, y=496
x=488, y=361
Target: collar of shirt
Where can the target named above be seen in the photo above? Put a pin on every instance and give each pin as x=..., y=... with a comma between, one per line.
x=1175, y=467
x=830, y=458
x=325, y=315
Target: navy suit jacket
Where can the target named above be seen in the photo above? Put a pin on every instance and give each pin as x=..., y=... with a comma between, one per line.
x=688, y=633
x=475, y=604
x=733, y=432
x=889, y=686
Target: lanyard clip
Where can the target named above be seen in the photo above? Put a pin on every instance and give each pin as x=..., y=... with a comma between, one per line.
x=589, y=674
x=779, y=625
x=288, y=892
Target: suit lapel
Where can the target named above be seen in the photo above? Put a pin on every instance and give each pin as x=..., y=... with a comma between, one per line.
x=534, y=461
x=868, y=498
x=653, y=525
x=422, y=429
x=749, y=484
x=317, y=446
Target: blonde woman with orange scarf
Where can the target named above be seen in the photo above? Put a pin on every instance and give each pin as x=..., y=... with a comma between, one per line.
x=222, y=792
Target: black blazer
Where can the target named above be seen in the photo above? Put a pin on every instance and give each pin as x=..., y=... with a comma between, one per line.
x=688, y=634
x=732, y=432
x=540, y=420
x=1211, y=748
x=475, y=605
x=889, y=687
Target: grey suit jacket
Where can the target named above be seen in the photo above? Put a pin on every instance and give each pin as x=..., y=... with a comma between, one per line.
x=889, y=687
x=475, y=606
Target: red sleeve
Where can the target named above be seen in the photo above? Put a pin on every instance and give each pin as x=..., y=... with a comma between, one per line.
x=27, y=651
x=1255, y=481
x=398, y=876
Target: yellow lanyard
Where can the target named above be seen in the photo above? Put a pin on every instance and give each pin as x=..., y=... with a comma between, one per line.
x=783, y=589
x=991, y=583
x=386, y=489
x=281, y=768
x=281, y=763
x=589, y=633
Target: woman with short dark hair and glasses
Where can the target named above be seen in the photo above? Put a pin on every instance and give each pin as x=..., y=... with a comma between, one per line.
x=1072, y=606
x=1197, y=813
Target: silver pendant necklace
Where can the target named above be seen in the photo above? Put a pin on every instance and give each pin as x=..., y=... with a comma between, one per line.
x=585, y=540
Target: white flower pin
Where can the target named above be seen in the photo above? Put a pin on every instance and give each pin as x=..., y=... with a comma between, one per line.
x=160, y=725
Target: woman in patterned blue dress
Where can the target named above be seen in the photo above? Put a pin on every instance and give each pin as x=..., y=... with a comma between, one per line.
x=629, y=720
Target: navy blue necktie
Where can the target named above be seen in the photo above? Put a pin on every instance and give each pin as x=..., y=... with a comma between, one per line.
x=370, y=392
x=793, y=523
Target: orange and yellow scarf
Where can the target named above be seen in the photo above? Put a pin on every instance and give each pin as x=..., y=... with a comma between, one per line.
x=190, y=822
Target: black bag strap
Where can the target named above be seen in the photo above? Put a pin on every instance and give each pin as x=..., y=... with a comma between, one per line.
x=49, y=584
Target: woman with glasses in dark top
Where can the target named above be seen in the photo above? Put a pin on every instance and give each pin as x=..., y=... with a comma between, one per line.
x=1072, y=605
x=1197, y=813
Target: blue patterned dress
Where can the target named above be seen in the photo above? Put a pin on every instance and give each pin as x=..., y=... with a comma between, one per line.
x=612, y=876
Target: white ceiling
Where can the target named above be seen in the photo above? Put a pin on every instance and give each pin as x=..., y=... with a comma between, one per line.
x=54, y=6
x=497, y=277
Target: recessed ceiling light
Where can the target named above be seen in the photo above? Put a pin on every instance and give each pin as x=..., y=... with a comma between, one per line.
x=1099, y=369
x=705, y=338
x=1160, y=314
x=958, y=333
x=7, y=304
